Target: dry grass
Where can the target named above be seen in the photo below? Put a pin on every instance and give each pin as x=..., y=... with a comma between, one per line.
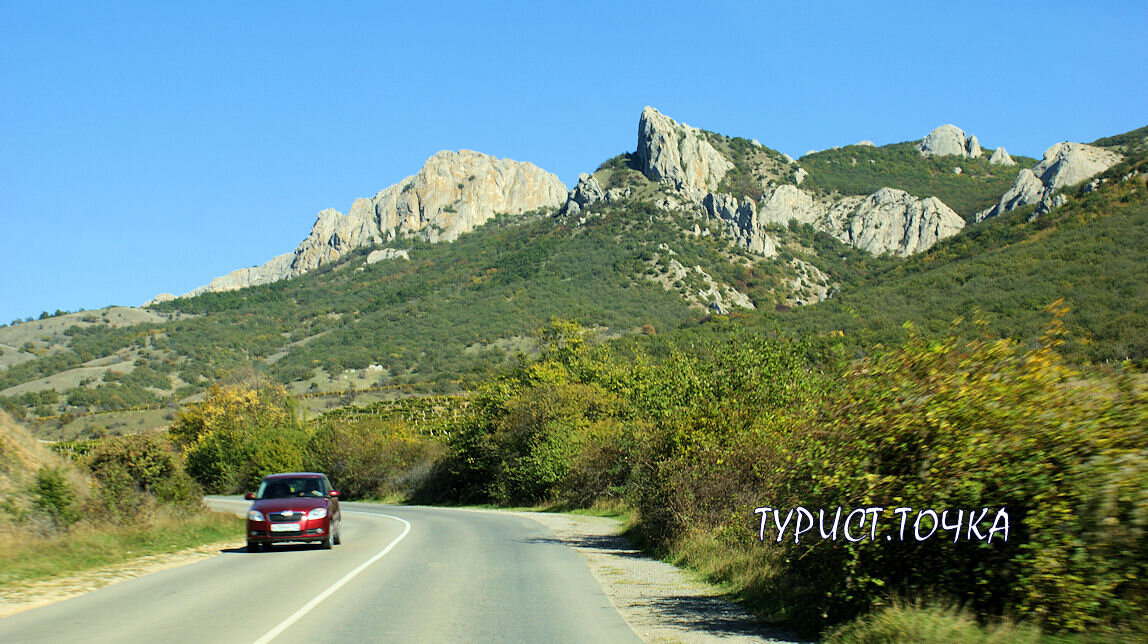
x=33, y=548
x=26, y=556
x=21, y=456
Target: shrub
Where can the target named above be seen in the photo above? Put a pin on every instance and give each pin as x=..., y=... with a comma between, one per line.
x=239, y=434
x=372, y=457
x=55, y=496
x=928, y=624
x=140, y=469
x=963, y=425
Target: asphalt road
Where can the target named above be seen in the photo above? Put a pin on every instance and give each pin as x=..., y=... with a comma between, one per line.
x=402, y=574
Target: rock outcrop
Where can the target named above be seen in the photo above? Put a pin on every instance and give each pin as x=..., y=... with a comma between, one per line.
x=809, y=284
x=973, y=147
x=1064, y=164
x=893, y=221
x=586, y=193
x=1000, y=157
x=950, y=140
x=787, y=202
x=678, y=154
x=887, y=221
x=452, y=194
x=274, y=270
x=709, y=294
x=383, y=254
x=741, y=222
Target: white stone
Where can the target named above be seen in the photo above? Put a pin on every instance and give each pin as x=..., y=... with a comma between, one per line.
x=382, y=254
x=452, y=194
x=1000, y=157
x=1064, y=164
x=973, y=148
x=946, y=140
x=678, y=154
x=893, y=221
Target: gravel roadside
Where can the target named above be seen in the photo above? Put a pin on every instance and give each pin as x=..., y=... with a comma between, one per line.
x=660, y=602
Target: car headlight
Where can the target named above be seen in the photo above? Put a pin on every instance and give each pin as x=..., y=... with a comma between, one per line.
x=254, y=515
x=317, y=513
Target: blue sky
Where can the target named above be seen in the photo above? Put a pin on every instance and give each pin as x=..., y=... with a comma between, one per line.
x=149, y=147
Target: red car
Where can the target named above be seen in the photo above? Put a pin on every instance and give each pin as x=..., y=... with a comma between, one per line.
x=300, y=506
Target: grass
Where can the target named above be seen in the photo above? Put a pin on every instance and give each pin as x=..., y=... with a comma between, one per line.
x=113, y=423
x=26, y=558
x=736, y=570
x=929, y=622
x=609, y=508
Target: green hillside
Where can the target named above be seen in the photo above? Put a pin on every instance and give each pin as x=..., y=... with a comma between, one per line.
x=458, y=312
x=862, y=170
x=1091, y=253
x=453, y=311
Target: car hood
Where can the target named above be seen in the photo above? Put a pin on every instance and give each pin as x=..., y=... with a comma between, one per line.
x=289, y=503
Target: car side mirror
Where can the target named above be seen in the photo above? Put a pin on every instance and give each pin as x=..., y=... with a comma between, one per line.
x=333, y=493
x=250, y=496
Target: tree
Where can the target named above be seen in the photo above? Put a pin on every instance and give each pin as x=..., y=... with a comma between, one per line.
x=238, y=435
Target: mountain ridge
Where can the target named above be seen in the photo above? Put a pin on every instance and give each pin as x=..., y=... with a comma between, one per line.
x=451, y=194
x=730, y=185
x=622, y=253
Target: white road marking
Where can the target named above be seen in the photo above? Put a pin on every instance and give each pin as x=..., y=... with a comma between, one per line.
x=285, y=624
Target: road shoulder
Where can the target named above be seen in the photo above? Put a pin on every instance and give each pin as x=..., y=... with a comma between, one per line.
x=19, y=597
x=659, y=601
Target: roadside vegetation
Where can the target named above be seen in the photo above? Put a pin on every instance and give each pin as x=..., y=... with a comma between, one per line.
x=110, y=502
x=694, y=438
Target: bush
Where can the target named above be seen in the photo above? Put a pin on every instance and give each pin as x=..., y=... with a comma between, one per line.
x=928, y=624
x=372, y=457
x=55, y=496
x=239, y=434
x=964, y=425
x=139, y=469
x=702, y=434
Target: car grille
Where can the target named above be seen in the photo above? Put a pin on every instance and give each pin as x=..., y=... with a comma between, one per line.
x=287, y=515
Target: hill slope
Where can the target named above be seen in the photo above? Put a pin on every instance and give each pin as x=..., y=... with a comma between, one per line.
x=687, y=227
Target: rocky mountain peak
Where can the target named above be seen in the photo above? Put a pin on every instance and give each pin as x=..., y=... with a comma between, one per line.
x=893, y=221
x=452, y=194
x=678, y=154
x=950, y=140
x=887, y=221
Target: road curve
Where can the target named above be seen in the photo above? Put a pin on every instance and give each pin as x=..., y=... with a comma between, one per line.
x=452, y=575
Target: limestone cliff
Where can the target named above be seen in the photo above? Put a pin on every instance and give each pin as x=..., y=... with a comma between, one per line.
x=887, y=221
x=893, y=221
x=678, y=154
x=1064, y=164
x=452, y=194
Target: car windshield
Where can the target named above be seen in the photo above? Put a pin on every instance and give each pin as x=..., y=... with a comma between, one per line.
x=283, y=488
